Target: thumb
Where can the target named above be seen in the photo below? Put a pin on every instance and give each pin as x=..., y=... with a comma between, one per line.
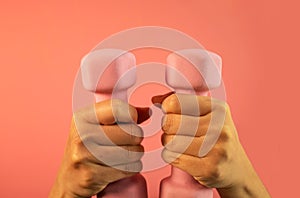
x=144, y=113
x=158, y=100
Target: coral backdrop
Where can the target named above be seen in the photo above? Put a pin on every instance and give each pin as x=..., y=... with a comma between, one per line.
x=42, y=43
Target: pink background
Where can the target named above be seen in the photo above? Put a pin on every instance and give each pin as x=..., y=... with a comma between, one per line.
x=42, y=44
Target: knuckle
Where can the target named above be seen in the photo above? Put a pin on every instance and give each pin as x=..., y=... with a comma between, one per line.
x=221, y=155
x=228, y=134
x=164, y=153
x=135, y=153
x=87, y=178
x=225, y=136
x=79, y=155
x=170, y=158
x=77, y=159
x=137, y=131
x=214, y=174
x=165, y=123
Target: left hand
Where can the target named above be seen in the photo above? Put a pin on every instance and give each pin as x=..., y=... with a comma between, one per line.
x=201, y=139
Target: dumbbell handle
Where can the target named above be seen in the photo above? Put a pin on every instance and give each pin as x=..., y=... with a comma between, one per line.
x=180, y=183
x=190, y=71
x=102, y=70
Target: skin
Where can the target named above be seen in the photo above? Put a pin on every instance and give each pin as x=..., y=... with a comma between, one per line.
x=82, y=174
x=223, y=165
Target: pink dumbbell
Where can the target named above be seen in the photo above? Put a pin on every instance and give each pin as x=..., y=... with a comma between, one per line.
x=182, y=75
x=101, y=71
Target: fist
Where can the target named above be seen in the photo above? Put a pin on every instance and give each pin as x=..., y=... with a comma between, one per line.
x=104, y=146
x=200, y=138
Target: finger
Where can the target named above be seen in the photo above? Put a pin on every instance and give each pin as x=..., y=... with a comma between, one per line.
x=157, y=100
x=113, y=111
x=183, y=144
x=187, y=104
x=191, y=104
x=193, y=165
x=109, y=112
x=176, y=124
x=115, y=155
x=112, y=135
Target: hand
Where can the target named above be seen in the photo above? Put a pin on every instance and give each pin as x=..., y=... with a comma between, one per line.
x=109, y=129
x=201, y=139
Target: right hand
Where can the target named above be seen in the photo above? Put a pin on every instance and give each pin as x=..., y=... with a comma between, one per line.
x=110, y=129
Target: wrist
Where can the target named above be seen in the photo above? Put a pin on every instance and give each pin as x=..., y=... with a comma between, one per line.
x=64, y=188
x=253, y=188
x=248, y=185
x=58, y=191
